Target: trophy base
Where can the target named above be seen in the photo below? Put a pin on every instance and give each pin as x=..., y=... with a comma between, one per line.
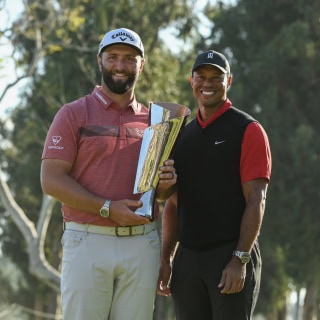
x=147, y=208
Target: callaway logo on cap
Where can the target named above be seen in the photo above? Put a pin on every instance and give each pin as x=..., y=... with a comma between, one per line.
x=122, y=36
x=212, y=58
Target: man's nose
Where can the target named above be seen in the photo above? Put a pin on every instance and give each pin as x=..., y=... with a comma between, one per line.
x=120, y=64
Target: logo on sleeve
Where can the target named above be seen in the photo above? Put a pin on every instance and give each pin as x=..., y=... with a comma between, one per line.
x=55, y=141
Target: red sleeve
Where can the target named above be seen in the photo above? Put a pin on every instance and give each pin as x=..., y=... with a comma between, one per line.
x=255, y=159
x=62, y=136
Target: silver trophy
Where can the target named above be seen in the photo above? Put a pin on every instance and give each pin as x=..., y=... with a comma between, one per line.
x=166, y=121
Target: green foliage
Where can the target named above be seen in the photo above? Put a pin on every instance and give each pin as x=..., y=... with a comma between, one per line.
x=274, y=287
x=12, y=280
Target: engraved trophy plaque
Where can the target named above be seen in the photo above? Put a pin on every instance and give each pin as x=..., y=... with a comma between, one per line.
x=166, y=122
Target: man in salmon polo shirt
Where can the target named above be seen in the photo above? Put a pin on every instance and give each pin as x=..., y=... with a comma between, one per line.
x=223, y=164
x=111, y=254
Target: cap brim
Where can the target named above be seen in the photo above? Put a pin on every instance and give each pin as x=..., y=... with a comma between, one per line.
x=124, y=44
x=210, y=64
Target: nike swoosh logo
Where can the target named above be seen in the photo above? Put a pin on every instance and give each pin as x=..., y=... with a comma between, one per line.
x=219, y=142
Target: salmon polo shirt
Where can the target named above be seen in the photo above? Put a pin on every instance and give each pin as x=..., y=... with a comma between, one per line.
x=103, y=143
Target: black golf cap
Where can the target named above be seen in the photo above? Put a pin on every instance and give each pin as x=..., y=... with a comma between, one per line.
x=212, y=58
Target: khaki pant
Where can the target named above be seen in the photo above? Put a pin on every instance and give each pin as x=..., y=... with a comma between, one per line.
x=108, y=277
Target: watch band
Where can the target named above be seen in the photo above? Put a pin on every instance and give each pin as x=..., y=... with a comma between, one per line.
x=242, y=255
x=105, y=211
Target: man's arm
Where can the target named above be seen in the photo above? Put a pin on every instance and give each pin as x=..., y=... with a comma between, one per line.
x=170, y=229
x=57, y=182
x=233, y=276
x=255, y=193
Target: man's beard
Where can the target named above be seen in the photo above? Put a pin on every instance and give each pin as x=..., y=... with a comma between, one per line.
x=119, y=86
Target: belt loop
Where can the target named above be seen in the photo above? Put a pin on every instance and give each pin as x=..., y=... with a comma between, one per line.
x=117, y=231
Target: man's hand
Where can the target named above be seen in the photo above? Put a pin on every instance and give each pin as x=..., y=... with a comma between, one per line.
x=233, y=277
x=167, y=179
x=163, y=288
x=123, y=212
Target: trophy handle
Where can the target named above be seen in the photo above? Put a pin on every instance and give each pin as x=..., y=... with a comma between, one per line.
x=148, y=202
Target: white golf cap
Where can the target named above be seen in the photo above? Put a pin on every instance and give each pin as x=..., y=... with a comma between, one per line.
x=122, y=36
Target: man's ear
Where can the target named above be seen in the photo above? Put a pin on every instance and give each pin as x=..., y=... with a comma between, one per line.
x=191, y=81
x=229, y=81
x=142, y=65
x=99, y=62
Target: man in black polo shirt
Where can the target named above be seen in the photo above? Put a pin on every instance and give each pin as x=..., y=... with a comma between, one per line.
x=223, y=163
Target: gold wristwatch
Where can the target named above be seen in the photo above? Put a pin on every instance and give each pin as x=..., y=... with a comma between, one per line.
x=242, y=255
x=105, y=211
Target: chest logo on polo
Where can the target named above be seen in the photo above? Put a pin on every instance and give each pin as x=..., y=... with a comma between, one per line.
x=219, y=142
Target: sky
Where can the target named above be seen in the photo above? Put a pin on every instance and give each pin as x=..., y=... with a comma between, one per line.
x=7, y=74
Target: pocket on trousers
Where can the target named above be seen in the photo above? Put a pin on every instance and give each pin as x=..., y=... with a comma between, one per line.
x=153, y=239
x=72, y=239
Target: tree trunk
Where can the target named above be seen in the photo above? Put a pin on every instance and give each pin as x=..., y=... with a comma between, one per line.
x=310, y=300
x=34, y=236
x=282, y=313
x=296, y=315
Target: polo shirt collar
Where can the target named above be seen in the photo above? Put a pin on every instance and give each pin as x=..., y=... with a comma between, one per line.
x=107, y=102
x=224, y=107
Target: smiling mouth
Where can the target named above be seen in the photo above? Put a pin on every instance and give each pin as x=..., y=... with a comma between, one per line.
x=120, y=75
x=207, y=93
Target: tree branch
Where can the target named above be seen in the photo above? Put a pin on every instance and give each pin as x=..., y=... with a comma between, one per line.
x=38, y=265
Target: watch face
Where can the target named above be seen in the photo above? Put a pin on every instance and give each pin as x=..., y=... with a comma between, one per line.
x=104, y=213
x=245, y=257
